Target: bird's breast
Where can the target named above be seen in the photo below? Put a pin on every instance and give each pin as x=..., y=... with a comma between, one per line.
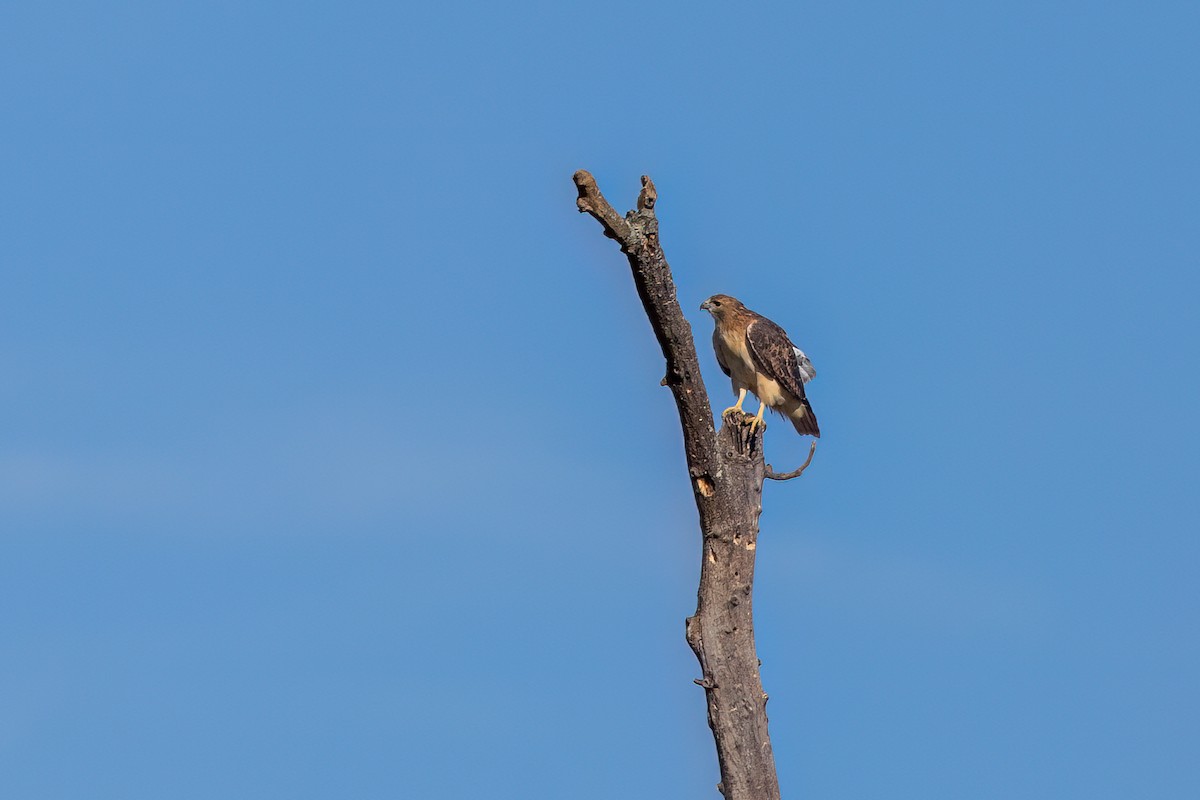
x=736, y=357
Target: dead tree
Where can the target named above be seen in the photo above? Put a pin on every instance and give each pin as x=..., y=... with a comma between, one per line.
x=727, y=471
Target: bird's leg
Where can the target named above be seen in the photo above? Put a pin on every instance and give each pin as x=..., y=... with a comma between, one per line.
x=737, y=406
x=758, y=418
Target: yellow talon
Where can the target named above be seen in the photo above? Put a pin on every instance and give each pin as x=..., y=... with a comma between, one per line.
x=738, y=406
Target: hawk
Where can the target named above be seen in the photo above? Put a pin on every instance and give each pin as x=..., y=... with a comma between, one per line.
x=760, y=358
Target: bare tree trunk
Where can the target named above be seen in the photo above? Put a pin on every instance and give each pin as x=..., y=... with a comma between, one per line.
x=727, y=471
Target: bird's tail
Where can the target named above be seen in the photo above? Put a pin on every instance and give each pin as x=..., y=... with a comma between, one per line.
x=804, y=420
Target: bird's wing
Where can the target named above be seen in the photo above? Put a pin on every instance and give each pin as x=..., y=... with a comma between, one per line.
x=807, y=370
x=775, y=355
x=718, y=346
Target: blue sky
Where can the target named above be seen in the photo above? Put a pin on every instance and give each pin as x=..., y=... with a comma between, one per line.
x=335, y=462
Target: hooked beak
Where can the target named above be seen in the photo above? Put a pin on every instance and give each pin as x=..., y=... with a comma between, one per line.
x=706, y=306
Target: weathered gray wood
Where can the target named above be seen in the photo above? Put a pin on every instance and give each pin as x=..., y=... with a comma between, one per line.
x=727, y=471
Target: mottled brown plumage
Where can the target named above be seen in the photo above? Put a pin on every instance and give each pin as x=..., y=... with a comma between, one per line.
x=759, y=357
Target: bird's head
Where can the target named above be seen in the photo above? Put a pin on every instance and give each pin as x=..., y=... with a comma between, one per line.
x=719, y=305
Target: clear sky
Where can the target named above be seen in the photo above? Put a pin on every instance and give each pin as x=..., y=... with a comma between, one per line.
x=334, y=462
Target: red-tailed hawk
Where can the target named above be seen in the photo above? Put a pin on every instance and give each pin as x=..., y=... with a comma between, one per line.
x=759, y=357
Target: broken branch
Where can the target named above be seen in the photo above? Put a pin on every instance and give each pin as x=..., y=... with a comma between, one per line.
x=796, y=473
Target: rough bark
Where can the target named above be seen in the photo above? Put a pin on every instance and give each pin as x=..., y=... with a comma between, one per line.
x=727, y=471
